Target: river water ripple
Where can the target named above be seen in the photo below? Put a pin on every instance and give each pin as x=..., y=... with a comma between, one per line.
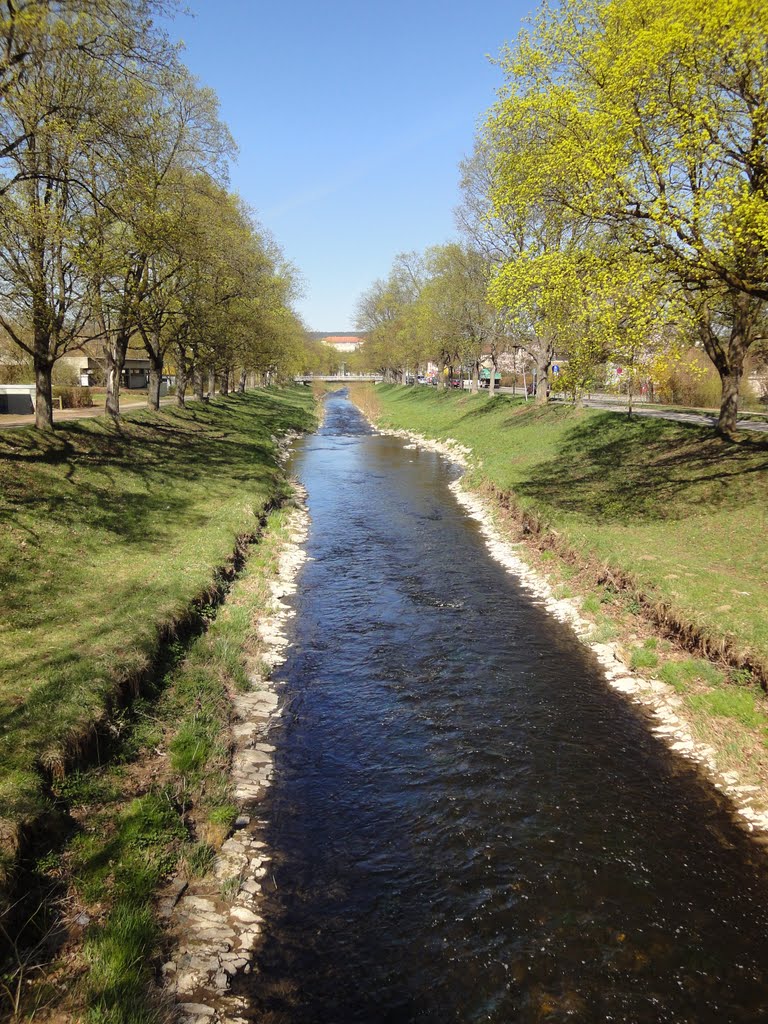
x=467, y=823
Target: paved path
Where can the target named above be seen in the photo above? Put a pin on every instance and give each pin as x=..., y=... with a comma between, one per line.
x=61, y=415
x=702, y=419
x=705, y=419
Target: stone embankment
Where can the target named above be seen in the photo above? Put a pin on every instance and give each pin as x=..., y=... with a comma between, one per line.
x=215, y=922
x=663, y=705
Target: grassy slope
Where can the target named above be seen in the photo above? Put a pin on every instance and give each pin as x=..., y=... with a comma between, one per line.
x=106, y=536
x=125, y=847
x=679, y=509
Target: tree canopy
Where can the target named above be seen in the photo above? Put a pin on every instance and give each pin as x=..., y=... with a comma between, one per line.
x=117, y=227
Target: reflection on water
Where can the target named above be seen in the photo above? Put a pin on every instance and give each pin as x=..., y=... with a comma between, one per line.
x=468, y=824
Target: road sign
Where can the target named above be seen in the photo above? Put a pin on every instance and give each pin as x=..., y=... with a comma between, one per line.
x=555, y=368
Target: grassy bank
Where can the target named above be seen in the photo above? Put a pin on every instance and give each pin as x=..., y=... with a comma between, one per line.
x=658, y=527
x=161, y=804
x=109, y=537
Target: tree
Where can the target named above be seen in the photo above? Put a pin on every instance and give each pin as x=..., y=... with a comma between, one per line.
x=144, y=216
x=59, y=65
x=651, y=119
x=457, y=322
x=386, y=313
x=47, y=136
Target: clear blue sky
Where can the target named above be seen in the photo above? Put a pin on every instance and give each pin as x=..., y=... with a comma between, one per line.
x=351, y=118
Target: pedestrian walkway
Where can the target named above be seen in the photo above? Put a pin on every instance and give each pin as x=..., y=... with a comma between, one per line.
x=62, y=415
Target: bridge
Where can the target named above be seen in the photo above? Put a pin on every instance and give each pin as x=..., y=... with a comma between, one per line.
x=335, y=378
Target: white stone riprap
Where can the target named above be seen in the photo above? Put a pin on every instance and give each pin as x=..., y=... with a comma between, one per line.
x=656, y=697
x=216, y=921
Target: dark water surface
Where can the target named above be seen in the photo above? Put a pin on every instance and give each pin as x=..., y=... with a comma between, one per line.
x=468, y=824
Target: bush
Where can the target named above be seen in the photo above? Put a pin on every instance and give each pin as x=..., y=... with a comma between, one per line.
x=74, y=397
x=693, y=382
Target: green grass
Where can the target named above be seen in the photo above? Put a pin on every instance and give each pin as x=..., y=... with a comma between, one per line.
x=604, y=632
x=107, y=536
x=731, y=702
x=677, y=508
x=126, y=844
x=642, y=658
x=681, y=674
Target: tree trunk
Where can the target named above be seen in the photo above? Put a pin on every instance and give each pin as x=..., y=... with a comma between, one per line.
x=630, y=389
x=729, y=401
x=211, y=382
x=243, y=381
x=155, y=380
x=224, y=386
x=43, y=392
x=475, y=377
x=542, y=382
x=181, y=376
x=114, y=351
x=543, y=363
x=492, y=381
x=728, y=357
x=197, y=383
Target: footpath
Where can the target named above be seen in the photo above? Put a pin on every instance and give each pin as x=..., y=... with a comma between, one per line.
x=63, y=415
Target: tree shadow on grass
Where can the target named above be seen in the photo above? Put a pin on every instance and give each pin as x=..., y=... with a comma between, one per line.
x=130, y=480
x=611, y=469
x=498, y=404
x=93, y=517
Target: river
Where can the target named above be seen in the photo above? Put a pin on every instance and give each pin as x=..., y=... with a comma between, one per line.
x=468, y=824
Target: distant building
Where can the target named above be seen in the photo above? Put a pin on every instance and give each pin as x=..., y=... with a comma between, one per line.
x=341, y=341
x=90, y=369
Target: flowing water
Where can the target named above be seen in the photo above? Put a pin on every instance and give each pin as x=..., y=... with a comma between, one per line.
x=467, y=823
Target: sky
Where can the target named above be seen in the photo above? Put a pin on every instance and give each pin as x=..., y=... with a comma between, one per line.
x=351, y=119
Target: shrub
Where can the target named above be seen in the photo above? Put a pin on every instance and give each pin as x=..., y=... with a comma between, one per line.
x=74, y=397
x=694, y=382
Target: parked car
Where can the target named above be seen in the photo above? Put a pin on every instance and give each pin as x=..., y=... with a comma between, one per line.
x=455, y=382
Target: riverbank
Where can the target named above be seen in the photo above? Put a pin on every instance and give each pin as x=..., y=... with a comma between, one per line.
x=117, y=546
x=645, y=530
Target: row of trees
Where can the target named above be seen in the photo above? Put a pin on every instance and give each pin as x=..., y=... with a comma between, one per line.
x=116, y=224
x=616, y=203
x=433, y=307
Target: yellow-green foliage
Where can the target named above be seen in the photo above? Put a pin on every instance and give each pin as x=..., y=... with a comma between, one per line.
x=628, y=127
